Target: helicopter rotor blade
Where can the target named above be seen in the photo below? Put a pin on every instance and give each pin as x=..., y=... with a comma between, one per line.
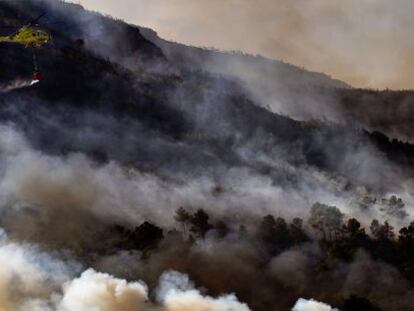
x=50, y=23
x=15, y=29
x=36, y=19
x=15, y=32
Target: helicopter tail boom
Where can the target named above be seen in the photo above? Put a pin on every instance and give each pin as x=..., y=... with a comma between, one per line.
x=6, y=39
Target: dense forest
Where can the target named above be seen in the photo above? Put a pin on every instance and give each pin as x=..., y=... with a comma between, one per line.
x=297, y=258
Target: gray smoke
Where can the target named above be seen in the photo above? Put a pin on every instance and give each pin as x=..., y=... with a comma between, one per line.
x=60, y=202
x=319, y=35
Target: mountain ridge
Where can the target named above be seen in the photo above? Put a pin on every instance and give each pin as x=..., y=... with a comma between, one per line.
x=110, y=83
x=129, y=165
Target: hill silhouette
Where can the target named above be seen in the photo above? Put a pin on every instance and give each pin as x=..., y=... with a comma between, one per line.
x=121, y=74
x=135, y=156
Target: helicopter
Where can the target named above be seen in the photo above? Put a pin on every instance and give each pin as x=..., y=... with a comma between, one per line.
x=30, y=35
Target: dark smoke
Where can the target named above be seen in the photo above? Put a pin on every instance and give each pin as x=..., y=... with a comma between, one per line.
x=97, y=158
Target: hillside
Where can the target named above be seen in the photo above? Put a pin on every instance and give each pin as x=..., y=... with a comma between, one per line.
x=167, y=100
x=298, y=93
x=137, y=159
x=278, y=86
x=387, y=111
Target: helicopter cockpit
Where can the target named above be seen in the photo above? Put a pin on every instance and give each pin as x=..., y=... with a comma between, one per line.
x=40, y=33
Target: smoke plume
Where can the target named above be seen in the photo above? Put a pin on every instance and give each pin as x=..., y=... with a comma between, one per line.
x=311, y=305
x=319, y=35
x=129, y=181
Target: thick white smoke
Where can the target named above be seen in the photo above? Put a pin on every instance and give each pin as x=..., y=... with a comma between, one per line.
x=99, y=291
x=28, y=276
x=33, y=280
x=177, y=293
x=312, y=305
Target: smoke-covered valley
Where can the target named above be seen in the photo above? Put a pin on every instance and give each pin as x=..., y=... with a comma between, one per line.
x=145, y=175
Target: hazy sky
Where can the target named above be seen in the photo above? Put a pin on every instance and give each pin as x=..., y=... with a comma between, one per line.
x=364, y=42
